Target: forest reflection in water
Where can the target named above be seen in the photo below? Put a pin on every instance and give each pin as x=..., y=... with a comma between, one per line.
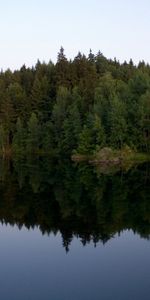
x=74, y=200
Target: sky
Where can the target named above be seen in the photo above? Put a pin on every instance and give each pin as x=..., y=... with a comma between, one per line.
x=36, y=29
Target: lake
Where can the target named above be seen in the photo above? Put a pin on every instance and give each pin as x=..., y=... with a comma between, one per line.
x=73, y=231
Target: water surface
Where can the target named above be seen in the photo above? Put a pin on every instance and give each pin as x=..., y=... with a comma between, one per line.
x=70, y=232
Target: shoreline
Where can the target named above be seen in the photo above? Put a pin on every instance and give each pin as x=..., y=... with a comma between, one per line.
x=108, y=157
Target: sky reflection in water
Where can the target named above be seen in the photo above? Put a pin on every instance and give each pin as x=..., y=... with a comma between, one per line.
x=52, y=260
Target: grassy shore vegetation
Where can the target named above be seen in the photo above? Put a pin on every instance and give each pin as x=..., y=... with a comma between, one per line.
x=110, y=160
x=77, y=106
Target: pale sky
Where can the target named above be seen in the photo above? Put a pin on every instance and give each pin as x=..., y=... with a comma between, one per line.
x=36, y=29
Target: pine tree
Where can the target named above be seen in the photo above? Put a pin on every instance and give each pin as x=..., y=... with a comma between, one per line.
x=33, y=136
x=117, y=122
x=19, y=139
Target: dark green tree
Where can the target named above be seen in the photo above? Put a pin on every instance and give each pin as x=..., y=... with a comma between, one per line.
x=33, y=135
x=19, y=139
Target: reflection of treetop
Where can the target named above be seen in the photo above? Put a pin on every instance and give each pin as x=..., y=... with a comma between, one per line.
x=74, y=200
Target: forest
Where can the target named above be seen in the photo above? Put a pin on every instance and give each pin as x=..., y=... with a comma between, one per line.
x=81, y=105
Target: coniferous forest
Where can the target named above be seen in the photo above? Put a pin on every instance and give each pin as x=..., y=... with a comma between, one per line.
x=83, y=104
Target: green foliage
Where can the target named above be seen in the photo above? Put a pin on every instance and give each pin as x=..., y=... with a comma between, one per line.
x=40, y=99
x=118, y=126
x=144, y=115
x=92, y=136
x=47, y=138
x=71, y=128
x=85, y=141
x=19, y=139
x=98, y=132
x=3, y=139
x=33, y=135
x=84, y=105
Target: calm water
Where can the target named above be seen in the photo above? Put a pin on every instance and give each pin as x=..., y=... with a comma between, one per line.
x=71, y=232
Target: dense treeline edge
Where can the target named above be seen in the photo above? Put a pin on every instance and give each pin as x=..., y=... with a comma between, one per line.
x=75, y=106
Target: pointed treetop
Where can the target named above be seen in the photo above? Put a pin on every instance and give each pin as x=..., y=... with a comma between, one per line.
x=61, y=56
x=99, y=54
x=91, y=56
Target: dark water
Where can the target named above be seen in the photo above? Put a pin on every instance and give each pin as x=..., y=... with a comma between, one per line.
x=71, y=232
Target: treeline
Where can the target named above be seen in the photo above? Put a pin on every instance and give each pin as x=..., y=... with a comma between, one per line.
x=82, y=104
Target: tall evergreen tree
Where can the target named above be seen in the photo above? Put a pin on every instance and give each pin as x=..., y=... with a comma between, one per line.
x=33, y=136
x=19, y=139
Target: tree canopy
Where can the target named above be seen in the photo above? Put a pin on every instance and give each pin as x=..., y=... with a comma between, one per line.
x=81, y=104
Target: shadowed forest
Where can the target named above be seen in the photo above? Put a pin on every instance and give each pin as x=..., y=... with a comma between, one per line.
x=75, y=200
x=79, y=105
